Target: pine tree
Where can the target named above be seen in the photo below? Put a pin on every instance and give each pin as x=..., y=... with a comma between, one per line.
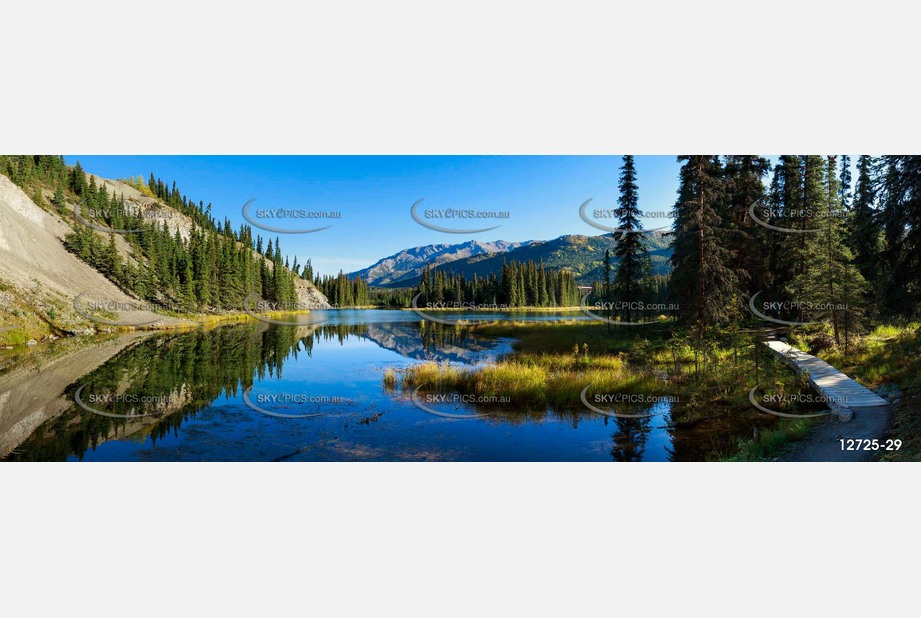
x=632, y=253
x=845, y=182
x=113, y=263
x=894, y=222
x=607, y=281
x=901, y=221
x=543, y=299
x=59, y=201
x=703, y=282
x=747, y=241
x=812, y=206
x=78, y=180
x=38, y=198
x=830, y=284
x=187, y=298
x=864, y=237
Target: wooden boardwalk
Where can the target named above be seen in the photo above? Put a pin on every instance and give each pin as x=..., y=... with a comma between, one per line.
x=839, y=390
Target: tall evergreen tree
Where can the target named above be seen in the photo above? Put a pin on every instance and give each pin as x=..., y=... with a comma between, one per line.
x=631, y=251
x=59, y=201
x=845, y=182
x=703, y=281
x=747, y=241
x=607, y=283
x=864, y=236
x=811, y=207
x=894, y=222
x=901, y=222
x=830, y=285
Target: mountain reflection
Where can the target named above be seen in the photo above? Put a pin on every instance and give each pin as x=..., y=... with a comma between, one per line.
x=180, y=396
x=165, y=380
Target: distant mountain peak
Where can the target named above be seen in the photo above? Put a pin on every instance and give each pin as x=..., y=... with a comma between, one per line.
x=408, y=263
x=581, y=254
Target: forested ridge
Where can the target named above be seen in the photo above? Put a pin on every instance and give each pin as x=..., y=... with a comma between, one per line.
x=213, y=270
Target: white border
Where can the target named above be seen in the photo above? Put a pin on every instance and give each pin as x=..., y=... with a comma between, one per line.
x=100, y=77
x=477, y=77
x=459, y=539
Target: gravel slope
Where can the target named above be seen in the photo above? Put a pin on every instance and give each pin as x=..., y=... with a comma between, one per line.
x=40, y=279
x=44, y=275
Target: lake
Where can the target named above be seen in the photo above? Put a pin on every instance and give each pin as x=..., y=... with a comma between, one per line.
x=263, y=392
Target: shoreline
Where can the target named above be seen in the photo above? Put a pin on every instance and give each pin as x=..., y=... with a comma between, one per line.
x=457, y=309
x=496, y=309
x=205, y=320
x=185, y=322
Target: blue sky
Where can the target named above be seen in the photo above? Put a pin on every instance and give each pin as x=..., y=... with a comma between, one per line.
x=375, y=193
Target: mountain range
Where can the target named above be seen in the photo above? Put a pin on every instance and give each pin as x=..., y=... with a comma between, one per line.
x=408, y=263
x=583, y=255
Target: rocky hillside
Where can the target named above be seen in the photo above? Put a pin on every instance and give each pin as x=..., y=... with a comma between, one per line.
x=40, y=280
x=156, y=210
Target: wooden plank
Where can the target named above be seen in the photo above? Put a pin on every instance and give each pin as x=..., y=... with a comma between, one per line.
x=827, y=380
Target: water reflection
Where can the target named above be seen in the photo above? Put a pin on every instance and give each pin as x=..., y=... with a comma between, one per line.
x=163, y=382
x=184, y=392
x=630, y=438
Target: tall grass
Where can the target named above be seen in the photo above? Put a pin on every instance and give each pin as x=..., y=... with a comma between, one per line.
x=390, y=378
x=548, y=379
x=890, y=353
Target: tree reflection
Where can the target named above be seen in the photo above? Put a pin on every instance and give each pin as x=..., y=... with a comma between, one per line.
x=190, y=370
x=630, y=437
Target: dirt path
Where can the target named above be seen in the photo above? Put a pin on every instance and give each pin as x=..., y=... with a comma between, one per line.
x=823, y=443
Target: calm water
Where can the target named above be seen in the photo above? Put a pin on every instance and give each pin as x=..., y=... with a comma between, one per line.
x=192, y=386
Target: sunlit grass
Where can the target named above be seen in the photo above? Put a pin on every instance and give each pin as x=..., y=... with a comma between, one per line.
x=553, y=362
x=533, y=379
x=13, y=336
x=890, y=353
